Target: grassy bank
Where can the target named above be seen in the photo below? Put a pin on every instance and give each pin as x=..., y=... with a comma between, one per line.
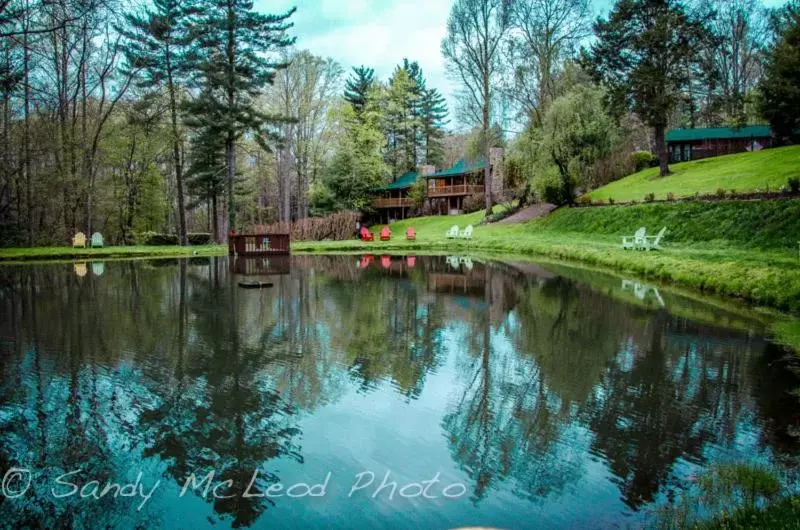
x=55, y=253
x=741, y=172
x=741, y=249
x=784, y=514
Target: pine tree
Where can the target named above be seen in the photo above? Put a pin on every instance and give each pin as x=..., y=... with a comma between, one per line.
x=205, y=177
x=433, y=116
x=155, y=44
x=358, y=86
x=234, y=46
x=781, y=84
x=644, y=53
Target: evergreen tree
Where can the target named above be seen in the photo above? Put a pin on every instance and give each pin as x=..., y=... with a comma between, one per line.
x=206, y=173
x=781, y=84
x=433, y=116
x=233, y=49
x=155, y=44
x=401, y=122
x=358, y=86
x=643, y=53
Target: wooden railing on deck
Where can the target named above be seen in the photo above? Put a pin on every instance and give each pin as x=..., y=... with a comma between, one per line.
x=396, y=202
x=459, y=189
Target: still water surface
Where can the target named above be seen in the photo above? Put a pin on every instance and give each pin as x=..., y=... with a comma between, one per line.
x=499, y=394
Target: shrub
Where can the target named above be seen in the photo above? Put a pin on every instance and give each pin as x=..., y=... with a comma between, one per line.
x=650, y=197
x=156, y=239
x=721, y=193
x=338, y=226
x=794, y=184
x=611, y=200
x=199, y=238
x=585, y=199
x=670, y=196
x=474, y=203
x=643, y=160
x=732, y=193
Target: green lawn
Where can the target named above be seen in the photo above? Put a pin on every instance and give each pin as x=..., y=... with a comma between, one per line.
x=51, y=253
x=741, y=172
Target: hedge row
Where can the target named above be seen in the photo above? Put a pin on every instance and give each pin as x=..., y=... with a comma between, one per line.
x=159, y=239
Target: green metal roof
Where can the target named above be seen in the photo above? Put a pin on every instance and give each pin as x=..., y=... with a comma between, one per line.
x=718, y=133
x=462, y=167
x=404, y=181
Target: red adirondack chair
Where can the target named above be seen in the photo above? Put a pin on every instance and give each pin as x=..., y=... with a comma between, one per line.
x=412, y=262
x=411, y=235
x=386, y=234
x=386, y=261
x=366, y=235
x=367, y=260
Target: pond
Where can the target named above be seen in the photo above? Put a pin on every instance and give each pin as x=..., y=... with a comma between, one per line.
x=364, y=391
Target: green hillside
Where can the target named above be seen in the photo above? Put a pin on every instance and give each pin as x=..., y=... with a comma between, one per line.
x=741, y=172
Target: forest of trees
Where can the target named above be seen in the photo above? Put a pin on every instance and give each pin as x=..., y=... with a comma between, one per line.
x=189, y=116
x=183, y=116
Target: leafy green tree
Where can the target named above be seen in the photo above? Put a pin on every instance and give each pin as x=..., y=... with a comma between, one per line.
x=418, y=193
x=358, y=86
x=576, y=133
x=357, y=165
x=781, y=84
x=643, y=54
x=234, y=44
x=156, y=41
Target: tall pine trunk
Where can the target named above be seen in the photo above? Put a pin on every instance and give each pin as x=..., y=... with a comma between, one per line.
x=176, y=151
x=661, y=149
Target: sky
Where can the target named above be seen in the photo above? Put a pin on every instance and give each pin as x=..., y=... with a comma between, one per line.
x=380, y=33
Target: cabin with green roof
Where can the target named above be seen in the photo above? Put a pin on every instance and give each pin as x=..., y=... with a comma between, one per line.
x=447, y=189
x=684, y=145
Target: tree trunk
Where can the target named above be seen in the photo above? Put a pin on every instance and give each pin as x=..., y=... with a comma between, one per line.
x=661, y=149
x=176, y=155
x=214, y=218
x=487, y=147
x=230, y=161
x=26, y=151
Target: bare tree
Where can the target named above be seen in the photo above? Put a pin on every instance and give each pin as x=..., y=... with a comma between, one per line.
x=304, y=91
x=737, y=53
x=476, y=30
x=544, y=34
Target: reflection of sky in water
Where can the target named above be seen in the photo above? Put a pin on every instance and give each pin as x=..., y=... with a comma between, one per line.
x=556, y=404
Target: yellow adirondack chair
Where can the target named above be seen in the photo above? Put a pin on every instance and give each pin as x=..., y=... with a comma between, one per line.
x=79, y=241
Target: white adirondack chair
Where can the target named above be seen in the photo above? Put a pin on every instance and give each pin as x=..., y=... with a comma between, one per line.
x=654, y=242
x=636, y=241
x=467, y=263
x=453, y=261
x=453, y=232
x=467, y=232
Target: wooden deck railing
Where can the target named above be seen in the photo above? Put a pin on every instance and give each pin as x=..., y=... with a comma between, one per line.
x=459, y=189
x=396, y=202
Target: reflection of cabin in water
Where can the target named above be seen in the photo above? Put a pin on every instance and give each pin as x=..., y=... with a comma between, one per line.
x=250, y=266
x=457, y=276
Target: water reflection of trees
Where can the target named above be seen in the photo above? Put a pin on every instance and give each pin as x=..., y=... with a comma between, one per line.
x=170, y=360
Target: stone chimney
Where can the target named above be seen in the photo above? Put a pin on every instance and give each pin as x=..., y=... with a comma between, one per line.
x=497, y=162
